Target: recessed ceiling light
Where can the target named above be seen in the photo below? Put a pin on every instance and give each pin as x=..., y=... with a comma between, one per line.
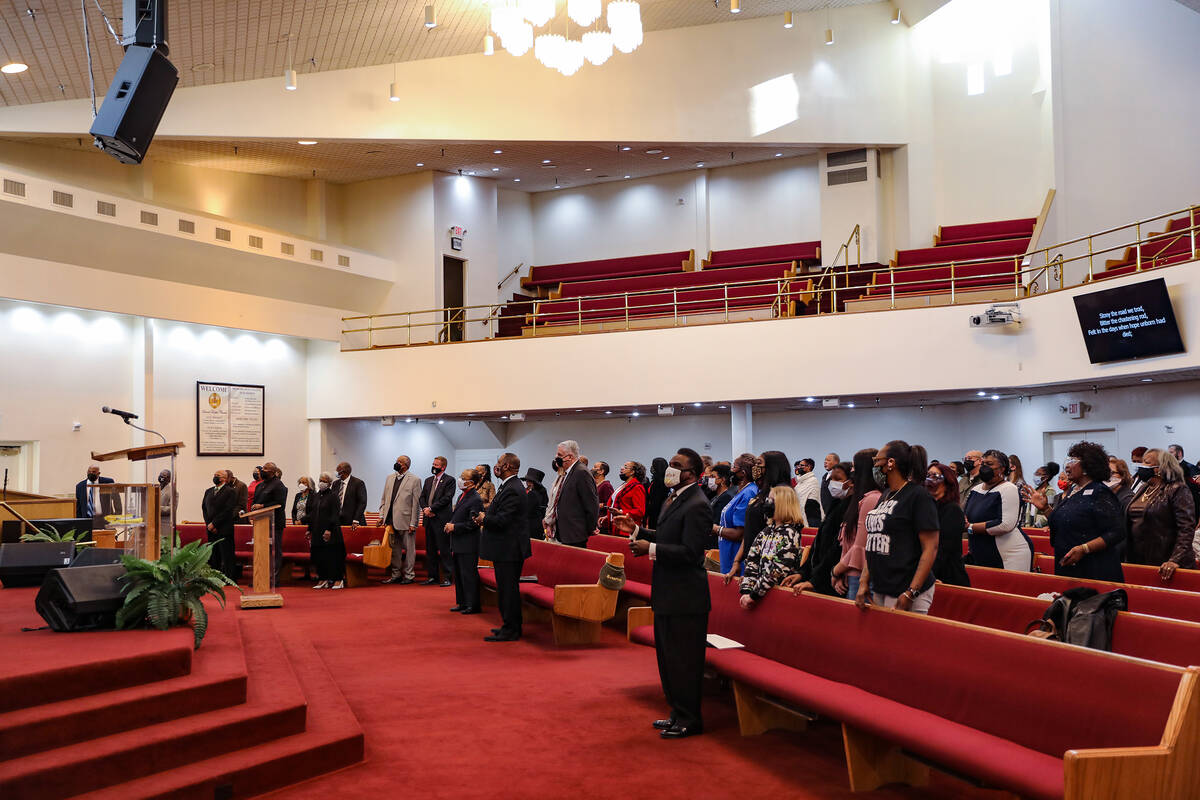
x=607, y=412
x=626, y=176
x=626, y=148
x=778, y=155
x=695, y=405
x=654, y=152
x=666, y=158
x=497, y=152
x=205, y=67
x=1147, y=380
x=636, y=414
x=441, y=422
x=587, y=169
x=471, y=172
x=722, y=406
x=980, y=394
x=849, y=405
x=810, y=399
x=699, y=163
x=495, y=169
x=995, y=397
x=14, y=68
x=306, y=142
x=409, y=419
x=545, y=161
x=420, y=163
x=516, y=180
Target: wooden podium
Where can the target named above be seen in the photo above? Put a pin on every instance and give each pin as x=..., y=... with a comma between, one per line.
x=152, y=548
x=263, y=594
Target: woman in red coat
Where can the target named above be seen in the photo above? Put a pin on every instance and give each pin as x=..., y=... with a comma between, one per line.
x=630, y=498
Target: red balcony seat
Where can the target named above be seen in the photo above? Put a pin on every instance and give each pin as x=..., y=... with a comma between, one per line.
x=937, y=278
x=986, y=231
x=961, y=252
x=706, y=277
x=703, y=300
x=802, y=252
x=654, y=264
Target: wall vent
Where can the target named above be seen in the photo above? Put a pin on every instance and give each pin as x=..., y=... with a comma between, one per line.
x=63, y=199
x=224, y=235
x=106, y=209
x=845, y=158
x=255, y=241
x=316, y=255
x=287, y=248
x=149, y=218
x=343, y=261
x=15, y=188
x=187, y=226
x=843, y=176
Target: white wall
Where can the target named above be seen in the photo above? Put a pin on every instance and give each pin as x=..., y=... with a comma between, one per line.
x=771, y=202
x=372, y=448
x=471, y=203
x=514, y=227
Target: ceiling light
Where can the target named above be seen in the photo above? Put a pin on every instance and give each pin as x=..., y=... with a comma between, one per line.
x=626, y=148
x=607, y=412
x=699, y=163
x=653, y=152
x=471, y=172
x=625, y=22
x=810, y=399
x=666, y=158
x=981, y=394
x=441, y=422
x=735, y=6
x=583, y=12
x=14, y=68
x=489, y=45
x=394, y=93
x=829, y=36
x=545, y=161
x=995, y=397
x=538, y=12
x=306, y=142
x=626, y=176
x=516, y=180
x=430, y=21
x=587, y=169
x=597, y=46
x=849, y=405
x=420, y=163
x=896, y=17
x=1147, y=380
x=779, y=155
x=722, y=406
x=495, y=169
x=497, y=152
x=636, y=414
x=408, y=419
x=695, y=405
x=787, y=19
x=289, y=79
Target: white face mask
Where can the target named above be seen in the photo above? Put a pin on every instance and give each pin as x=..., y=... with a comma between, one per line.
x=671, y=477
x=1113, y=483
x=324, y=484
x=837, y=489
x=712, y=484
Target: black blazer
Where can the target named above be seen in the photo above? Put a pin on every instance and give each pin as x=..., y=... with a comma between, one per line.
x=578, y=508
x=505, y=532
x=354, y=507
x=324, y=515
x=464, y=538
x=270, y=493
x=438, y=502
x=536, y=500
x=110, y=502
x=826, y=495
x=310, y=504
x=679, y=584
x=219, y=508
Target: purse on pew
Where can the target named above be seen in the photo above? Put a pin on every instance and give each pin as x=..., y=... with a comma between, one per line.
x=380, y=555
x=1080, y=616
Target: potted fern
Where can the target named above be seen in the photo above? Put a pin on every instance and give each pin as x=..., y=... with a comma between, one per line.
x=169, y=591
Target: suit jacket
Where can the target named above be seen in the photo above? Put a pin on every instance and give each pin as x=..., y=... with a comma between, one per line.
x=464, y=538
x=578, y=508
x=679, y=584
x=110, y=502
x=826, y=495
x=505, y=530
x=219, y=506
x=354, y=504
x=243, y=495
x=439, y=501
x=310, y=505
x=270, y=493
x=406, y=508
x=536, y=500
x=325, y=516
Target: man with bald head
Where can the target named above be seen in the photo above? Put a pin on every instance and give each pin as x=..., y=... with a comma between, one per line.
x=272, y=492
x=972, y=460
x=400, y=514
x=352, y=494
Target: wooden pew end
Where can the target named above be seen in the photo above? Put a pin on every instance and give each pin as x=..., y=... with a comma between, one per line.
x=758, y=714
x=873, y=762
x=637, y=617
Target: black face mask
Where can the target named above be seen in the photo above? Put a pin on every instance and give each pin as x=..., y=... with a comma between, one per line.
x=986, y=473
x=216, y=481
x=624, y=476
x=968, y=465
x=163, y=481
x=92, y=478
x=397, y=466
x=768, y=506
x=1145, y=473
x=435, y=470
x=557, y=463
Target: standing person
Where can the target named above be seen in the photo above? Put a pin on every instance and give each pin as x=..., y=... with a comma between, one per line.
x=831, y=461
x=436, y=497
x=1086, y=526
x=993, y=511
x=942, y=483
x=168, y=501
x=1189, y=470
x=464, y=543
x=1120, y=480
x=678, y=591
x=272, y=492
x=1141, y=473
x=1162, y=518
x=604, y=493
x=1043, y=482
x=705, y=484
x=1016, y=473
x=536, y=500
x=218, y=506
x=255, y=480
x=770, y=469
x=400, y=514
x=816, y=573
x=848, y=571
x=505, y=542
x=352, y=496
x=902, y=536
x=732, y=523
x=241, y=491
x=723, y=492
x=326, y=545
x=808, y=491
x=971, y=463
x=304, y=502
x=483, y=485
x=93, y=502
x=656, y=492
x=575, y=510
x=630, y=498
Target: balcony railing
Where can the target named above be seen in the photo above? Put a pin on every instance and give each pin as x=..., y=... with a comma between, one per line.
x=1070, y=263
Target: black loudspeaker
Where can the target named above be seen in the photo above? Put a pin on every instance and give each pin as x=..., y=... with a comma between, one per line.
x=81, y=598
x=134, y=105
x=26, y=563
x=97, y=556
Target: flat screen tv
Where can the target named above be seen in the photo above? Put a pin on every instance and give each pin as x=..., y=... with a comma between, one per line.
x=1126, y=322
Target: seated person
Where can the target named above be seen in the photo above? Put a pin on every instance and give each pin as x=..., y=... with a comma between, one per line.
x=776, y=551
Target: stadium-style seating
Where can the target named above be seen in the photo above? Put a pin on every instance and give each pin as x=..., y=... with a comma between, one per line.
x=805, y=254
x=543, y=278
x=1186, y=580
x=985, y=231
x=1172, y=246
x=678, y=280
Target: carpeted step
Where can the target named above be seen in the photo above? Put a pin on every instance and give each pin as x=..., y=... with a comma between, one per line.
x=217, y=680
x=274, y=708
x=333, y=739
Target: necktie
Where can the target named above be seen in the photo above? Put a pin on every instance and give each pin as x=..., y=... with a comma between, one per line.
x=94, y=502
x=342, y=497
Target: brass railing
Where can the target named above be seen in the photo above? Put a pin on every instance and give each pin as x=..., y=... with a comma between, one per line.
x=984, y=280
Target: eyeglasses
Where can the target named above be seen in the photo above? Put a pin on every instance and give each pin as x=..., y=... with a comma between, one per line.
x=936, y=477
x=1070, y=462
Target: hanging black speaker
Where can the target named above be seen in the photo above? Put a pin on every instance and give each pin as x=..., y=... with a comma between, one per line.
x=81, y=598
x=134, y=105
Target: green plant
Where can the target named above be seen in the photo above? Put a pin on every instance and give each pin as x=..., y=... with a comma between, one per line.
x=169, y=591
x=50, y=534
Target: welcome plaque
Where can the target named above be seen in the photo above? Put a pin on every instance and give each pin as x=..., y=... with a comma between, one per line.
x=230, y=418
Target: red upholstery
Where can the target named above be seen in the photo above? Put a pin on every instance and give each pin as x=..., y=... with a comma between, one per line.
x=1172, y=246
x=1185, y=580
x=660, y=304
x=295, y=543
x=796, y=251
x=932, y=279
x=961, y=252
x=1041, y=543
x=1169, y=603
x=987, y=231
x=638, y=571
x=552, y=564
x=707, y=277
x=653, y=264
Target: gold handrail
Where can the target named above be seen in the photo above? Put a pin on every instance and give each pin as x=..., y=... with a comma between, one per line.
x=856, y=237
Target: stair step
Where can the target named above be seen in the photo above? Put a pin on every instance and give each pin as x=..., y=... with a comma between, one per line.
x=217, y=680
x=274, y=708
x=332, y=740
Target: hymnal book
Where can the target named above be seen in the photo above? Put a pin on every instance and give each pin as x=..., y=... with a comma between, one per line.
x=529, y=579
x=721, y=643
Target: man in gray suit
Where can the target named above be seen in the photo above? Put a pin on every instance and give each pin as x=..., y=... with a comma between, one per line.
x=400, y=512
x=574, y=508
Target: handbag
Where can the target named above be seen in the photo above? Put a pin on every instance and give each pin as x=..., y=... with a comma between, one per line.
x=1045, y=629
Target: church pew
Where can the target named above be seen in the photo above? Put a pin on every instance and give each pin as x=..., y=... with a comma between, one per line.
x=1041, y=545
x=549, y=275
x=985, y=231
x=1185, y=580
x=973, y=251
x=638, y=571
x=675, y=280
x=813, y=654
x=802, y=252
x=938, y=278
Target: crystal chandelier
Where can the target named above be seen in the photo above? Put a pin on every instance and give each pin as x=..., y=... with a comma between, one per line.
x=516, y=22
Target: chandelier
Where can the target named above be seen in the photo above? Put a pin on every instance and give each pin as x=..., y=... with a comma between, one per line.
x=516, y=23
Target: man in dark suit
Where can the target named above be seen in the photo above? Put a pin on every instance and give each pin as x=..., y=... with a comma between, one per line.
x=352, y=494
x=678, y=591
x=575, y=505
x=92, y=501
x=505, y=542
x=219, y=507
x=831, y=461
x=271, y=492
x=536, y=501
x=436, y=497
x=240, y=489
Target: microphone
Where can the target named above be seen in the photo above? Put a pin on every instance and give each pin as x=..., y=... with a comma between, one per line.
x=125, y=415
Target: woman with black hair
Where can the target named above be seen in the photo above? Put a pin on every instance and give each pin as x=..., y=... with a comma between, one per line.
x=942, y=483
x=770, y=469
x=848, y=570
x=656, y=492
x=816, y=573
x=1086, y=526
x=902, y=536
x=732, y=523
x=484, y=487
x=993, y=509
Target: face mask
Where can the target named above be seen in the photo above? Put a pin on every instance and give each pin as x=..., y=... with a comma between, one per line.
x=757, y=472
x=624, y=476
x=712, y=484
x=1145, y=473
x=769, y=507
x=462, y=485
x=671, y=477
x=799, y=472
x=435, y=470
x=837, y=489
x=932, y=483
x=92, y=478
x=557, y=463
x=879, y=475
x=969, y=465
x=398, y=467
x=216, y=481
x=986, y=474
x=163, y=481
x=1113, y=483
x=301, y=488
x=324, y=485
x=1063, y=484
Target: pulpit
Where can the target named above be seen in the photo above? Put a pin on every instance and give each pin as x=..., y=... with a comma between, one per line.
x=149, y=507
x=262, y=591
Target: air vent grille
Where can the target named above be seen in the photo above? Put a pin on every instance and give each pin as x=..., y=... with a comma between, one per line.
x=343, y=261
x=187, y=226
x=15, y=188
x=316, y=255
x=844, y=176
x=845, y=158
x=63, y=199
x=106, y=209
x=256, y=241
x=224, y=235
x=149, y=218
x=287, y=248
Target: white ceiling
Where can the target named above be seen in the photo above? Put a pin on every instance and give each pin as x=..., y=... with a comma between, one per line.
x=221, y=41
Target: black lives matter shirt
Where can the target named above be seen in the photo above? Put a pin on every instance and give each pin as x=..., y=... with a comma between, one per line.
x=893, y=546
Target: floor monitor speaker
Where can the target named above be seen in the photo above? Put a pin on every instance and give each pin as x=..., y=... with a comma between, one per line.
x=81, y=598
x=26, y=563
